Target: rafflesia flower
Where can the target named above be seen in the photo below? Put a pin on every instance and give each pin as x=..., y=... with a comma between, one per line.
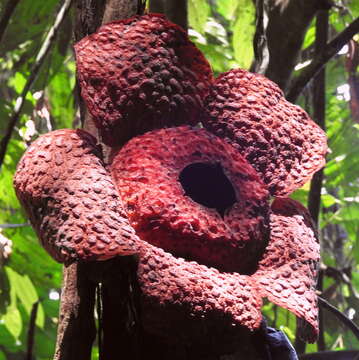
x=193, y=203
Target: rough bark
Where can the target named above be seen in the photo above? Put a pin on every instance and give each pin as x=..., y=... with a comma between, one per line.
x=120, y=315
x=176, y=11
x=76, y=330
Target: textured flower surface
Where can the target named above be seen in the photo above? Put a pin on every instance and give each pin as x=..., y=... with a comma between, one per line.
x=145, y=74
x=194, y=204
x=278, y=138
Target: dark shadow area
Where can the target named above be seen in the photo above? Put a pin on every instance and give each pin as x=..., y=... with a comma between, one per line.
x=208, y=185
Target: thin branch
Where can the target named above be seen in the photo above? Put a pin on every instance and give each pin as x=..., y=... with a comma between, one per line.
x=40, y=58
x=340, y=316
x=31, y=331
x=321, y=59
x=12, y=226
x=260, y=42
x=8, y=11
x=99, y=308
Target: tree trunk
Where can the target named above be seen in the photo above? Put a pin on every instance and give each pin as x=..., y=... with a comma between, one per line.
x=76, y=331
x=280, y=30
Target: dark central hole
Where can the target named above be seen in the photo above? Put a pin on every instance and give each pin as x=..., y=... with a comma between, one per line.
x=207, y=185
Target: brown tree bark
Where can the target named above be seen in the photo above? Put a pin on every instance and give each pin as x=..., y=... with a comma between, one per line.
x=76, y=331
x=157, y=6
x=176, y=11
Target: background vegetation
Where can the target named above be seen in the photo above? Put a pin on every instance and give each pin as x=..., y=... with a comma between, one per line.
x=224, y=31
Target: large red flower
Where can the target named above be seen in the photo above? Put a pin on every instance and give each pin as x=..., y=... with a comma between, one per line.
x=193, y=203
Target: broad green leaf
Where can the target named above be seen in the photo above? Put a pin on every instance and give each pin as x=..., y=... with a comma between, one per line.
x=301, y=195
x=12, y=318
x=227, y=8
x=289, y=332
x=328, y=200
x=29, y=257
x=45, y=343
x=26, y=293
x=310, y=35
x=243, y=32
x=30, y=20
x=345, y=290
x=198, y=12
x=60, y=92
x=7, y=340
x=2, y=355
x=13, y=322
x=18, y=82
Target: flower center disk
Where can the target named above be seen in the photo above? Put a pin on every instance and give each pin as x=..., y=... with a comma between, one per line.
x=193, y=195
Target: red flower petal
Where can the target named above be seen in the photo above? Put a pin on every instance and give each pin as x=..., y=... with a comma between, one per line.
x=202, y=301
x=140, y=74
x=148, y=172
x=70, y=199
x=190, y=303
x=276, y=137
x=287, y=273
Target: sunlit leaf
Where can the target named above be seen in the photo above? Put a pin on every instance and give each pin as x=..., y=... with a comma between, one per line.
x=60, y=92
x=198, y=12
x=13, y=322
x=26, y=293
x=328, y=200
x=227, y=8
x=243, y=32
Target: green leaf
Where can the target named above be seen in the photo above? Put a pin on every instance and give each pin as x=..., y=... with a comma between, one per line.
x=310, y=35
x=243, y=32
x=289, y=332
x=29, y=21
x=328, y=200
x=26, y=293
x=2, y=356
x=301, y=195
x=228, y=8
x=12, y=321
x=7, y=340
x=60, y=92
x=45, y=343
x=345, y=290
x=198, y=12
